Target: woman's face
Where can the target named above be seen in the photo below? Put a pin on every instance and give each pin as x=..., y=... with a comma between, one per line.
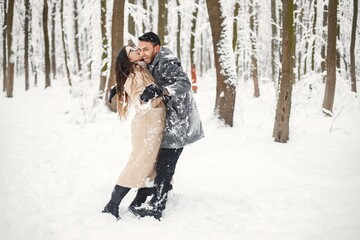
x=133, y=54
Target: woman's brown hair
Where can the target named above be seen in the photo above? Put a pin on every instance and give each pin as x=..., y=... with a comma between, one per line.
x=123, y=68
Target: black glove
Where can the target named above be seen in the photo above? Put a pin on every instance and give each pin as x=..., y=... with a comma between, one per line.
x=112, y=93
x=150, y=92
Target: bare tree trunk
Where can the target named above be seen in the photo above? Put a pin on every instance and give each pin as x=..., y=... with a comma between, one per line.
x=76, y=37
x=26, y=43
x=323, y=51
x=254, y=64
x=4, y=45
x=162, y=21
x=225, y=87
x=281, y=126
x=53, y=48
x=145, y=28
x=338, y=56
x=117, y=41
x=314, y=34
x=352, y=48
x=46, y=42
x=298, y=35
x=178, y=35
x=11, y=61
x=104, y=55
x=31, y=53
x=331, y=59
x=192, y=48
x=235, y=34
x=273, y=41
x=63, y=38
x=131, y=26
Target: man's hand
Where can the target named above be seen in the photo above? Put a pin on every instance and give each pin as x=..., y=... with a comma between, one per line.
x=150, y=92
x=112, y=93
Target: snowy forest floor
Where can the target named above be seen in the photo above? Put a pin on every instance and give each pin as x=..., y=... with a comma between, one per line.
x=61, y=153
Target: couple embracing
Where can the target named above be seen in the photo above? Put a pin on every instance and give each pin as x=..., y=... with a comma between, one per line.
x=151, y=80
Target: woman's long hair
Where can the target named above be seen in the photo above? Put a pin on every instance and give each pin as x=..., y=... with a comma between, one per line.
x=123, y=68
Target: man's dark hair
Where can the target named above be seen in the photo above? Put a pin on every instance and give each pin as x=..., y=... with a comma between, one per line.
x=150, y=37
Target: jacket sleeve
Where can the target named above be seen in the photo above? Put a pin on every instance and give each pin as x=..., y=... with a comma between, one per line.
x=175, y=75
x=136, y=88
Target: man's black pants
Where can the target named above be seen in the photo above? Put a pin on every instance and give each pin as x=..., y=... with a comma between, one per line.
x=165, y=169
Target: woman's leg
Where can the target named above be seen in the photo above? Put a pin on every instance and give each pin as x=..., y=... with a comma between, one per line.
x=117, y=195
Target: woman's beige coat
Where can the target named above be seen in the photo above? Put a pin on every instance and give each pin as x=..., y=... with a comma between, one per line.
x=147, y=129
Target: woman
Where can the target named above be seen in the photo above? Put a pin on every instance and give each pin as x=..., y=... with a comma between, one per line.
x=147, y=129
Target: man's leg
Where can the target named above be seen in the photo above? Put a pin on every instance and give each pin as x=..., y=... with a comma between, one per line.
x=165, y=169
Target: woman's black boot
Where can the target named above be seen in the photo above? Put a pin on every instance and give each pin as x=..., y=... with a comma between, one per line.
x=117, y=195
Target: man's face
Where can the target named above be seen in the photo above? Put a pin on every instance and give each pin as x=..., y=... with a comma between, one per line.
x=148, y=51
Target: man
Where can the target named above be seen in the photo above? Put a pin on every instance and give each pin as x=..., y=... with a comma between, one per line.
x=183, y=124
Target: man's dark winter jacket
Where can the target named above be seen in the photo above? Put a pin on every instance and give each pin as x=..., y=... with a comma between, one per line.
x=183, y=124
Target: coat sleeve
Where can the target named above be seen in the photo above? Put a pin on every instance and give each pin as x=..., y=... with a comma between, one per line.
x=135, y=89
x=175, y=75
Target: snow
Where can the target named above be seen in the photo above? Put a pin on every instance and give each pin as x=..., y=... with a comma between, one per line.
x=61, y=153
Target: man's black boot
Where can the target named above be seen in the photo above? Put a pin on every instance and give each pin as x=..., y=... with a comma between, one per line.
x=141, y=196
x=117, y=195
x=156, y=205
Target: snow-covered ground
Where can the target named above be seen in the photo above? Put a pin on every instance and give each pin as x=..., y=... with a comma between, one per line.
x=60, y=154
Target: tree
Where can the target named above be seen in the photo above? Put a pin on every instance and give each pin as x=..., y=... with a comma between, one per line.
x=352, y=48
x=53, y=48
x=273, y=40
x=299, y=16
x=11, y=55
x=26, y=43
x=178, y=35
x=46, y=43
x=117, y=41
x=224, y=64
x=323, y=46
x=281, y=126
x=314, y=35
x=192, y=45
x=4, y=46
x=235, y=33
x=76, y=36
x=162, y=21
x=331, y=59
x=63, y=38
x=131, y=25
x=254, y=62
x=104, y=55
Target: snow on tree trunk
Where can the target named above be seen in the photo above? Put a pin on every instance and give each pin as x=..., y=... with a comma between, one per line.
x=224, y=62
x=104, y=46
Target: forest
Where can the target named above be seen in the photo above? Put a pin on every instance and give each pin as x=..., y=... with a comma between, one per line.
x=276, y=85
x=261, y=41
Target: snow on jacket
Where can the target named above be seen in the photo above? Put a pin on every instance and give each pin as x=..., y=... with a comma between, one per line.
x=147, y=129
x=183, y=124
